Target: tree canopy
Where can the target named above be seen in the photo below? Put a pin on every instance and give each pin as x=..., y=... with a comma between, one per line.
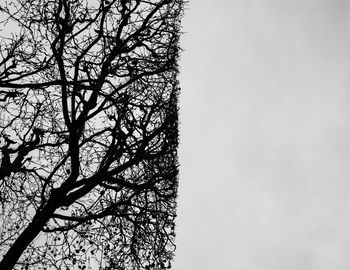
x=88, y=133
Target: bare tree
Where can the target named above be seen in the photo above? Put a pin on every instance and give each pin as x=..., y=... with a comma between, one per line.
x=88, y=126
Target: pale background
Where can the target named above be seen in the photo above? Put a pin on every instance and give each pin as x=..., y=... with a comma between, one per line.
x=265, y=136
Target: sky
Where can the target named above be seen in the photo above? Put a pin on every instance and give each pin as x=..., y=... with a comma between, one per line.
x=265, y=136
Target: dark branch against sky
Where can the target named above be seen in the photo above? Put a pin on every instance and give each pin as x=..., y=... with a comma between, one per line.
x=88, y=126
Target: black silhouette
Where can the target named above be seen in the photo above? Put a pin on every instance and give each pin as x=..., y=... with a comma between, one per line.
x=89, y=134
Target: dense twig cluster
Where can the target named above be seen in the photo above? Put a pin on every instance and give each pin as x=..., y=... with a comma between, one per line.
x=88, y=126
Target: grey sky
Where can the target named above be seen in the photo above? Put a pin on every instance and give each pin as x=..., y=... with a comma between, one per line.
x=265, y=136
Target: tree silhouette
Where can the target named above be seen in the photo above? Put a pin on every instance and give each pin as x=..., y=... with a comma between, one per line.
x=88, y=126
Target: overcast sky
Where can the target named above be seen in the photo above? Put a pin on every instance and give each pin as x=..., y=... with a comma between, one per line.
x=265, y=136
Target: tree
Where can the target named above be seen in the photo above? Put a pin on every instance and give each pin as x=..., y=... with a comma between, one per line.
x=89, y=133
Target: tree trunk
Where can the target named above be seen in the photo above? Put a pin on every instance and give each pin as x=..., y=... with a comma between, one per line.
x=19, y=246
x=28, y=235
